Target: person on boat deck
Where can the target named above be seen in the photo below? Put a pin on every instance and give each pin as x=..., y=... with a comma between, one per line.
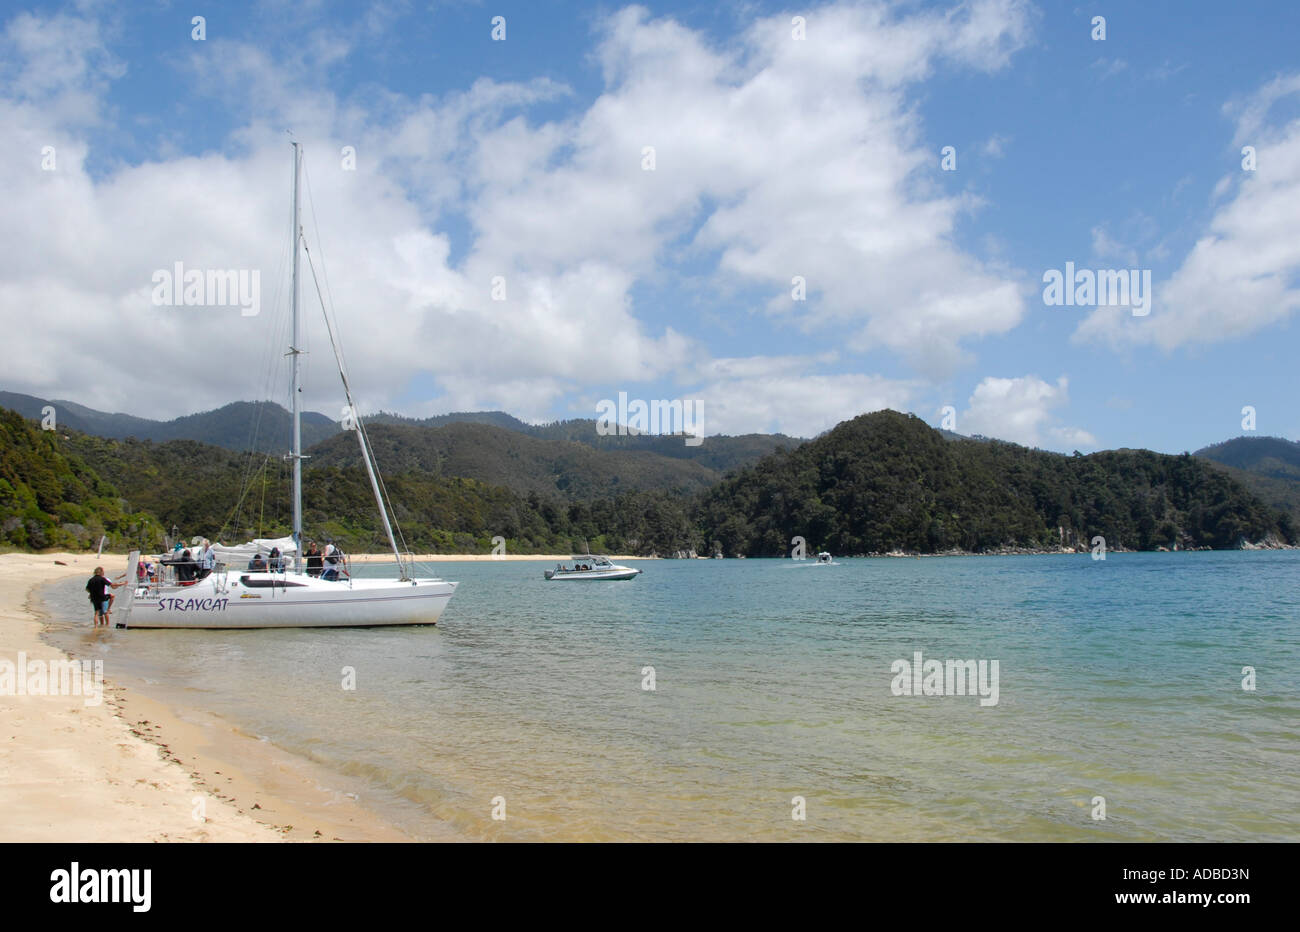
x=101, y=595
x=333, y=562
x=187, y=570
x=276, y=563
x=314, y=561
x=257, y=564
x=207, y=559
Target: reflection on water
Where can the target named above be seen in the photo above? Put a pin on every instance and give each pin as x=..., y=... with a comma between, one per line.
x=1118, y=678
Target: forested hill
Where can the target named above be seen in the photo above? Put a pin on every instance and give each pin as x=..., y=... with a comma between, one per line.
x=1268, y=466
x=718, y=453
x=877, y=483
x=66, y=489
x=50, y=497
x=1268, y=456
x=520, y=462
x=887, y=481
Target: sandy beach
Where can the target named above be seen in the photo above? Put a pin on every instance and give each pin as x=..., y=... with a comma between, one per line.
x=128, y=769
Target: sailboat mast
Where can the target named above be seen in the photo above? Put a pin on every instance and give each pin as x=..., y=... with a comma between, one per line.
x=295, y=351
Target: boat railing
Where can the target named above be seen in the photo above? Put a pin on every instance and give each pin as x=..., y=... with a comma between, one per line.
x=166, y=575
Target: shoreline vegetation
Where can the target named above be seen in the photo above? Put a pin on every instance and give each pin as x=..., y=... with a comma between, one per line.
x=880, y=483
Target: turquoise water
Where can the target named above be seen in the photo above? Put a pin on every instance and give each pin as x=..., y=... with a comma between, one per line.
x=1119, y=678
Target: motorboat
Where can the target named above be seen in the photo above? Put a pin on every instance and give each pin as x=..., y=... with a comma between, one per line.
x=592, y=568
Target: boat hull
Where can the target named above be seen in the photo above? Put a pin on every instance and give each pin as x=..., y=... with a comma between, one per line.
x=583, y=576
x=274, y=601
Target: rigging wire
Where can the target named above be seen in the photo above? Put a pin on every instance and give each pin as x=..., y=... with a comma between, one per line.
x=269, y=368
x=326, y=311
x=385, y=501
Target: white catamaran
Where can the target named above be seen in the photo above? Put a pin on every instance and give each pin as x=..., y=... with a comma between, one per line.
x=232, y=597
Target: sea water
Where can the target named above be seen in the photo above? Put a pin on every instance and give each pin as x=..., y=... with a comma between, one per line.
x=1143, y=697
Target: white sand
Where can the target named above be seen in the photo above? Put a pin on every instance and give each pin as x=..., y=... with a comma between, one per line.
x=129, y=769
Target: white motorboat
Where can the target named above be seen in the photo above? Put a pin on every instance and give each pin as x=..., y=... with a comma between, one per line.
x=824, y=558
x=289, y=597
x=591, y=567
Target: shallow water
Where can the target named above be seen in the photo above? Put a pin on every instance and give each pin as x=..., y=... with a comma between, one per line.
x=1119, y=678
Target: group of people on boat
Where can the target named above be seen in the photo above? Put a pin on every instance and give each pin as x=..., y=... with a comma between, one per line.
x=577, y=568
x=191, y=565
x=329, y=563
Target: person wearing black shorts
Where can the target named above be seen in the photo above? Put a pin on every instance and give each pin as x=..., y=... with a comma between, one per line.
x=100, y=595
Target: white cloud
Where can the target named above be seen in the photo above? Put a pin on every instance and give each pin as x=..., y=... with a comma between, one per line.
x=1241, y=275
x=1020, y=410
x=1104, y=246
x=786, y=395
x=776, y=157
x=1109, y=67
x=995, y=146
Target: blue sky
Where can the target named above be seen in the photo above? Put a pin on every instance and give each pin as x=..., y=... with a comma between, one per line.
x=775, y=157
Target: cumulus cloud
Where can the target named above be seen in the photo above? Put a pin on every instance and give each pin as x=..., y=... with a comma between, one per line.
x=1020, y=410
x=787, y=395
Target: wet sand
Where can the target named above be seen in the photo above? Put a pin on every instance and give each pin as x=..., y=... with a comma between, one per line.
x=129, y=768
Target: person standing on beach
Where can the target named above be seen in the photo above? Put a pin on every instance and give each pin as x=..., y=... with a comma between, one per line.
x=100, y=596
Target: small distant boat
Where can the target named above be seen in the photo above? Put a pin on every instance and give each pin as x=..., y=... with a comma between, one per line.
x=823, y=557
x=591, y=567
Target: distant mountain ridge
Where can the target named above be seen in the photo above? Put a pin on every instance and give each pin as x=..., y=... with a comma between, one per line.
x=720, y=453
x=569, y=459
x=1268, y=466
x=521, y=462
x=1266, y=456
x=240, y=425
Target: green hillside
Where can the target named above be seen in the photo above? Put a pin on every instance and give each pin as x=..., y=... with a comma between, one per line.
x=50, y=497
x=877, y=483
x=1268, y=466
x=523, y=463
x=718, y=453
x=208, y=491
x=887, y=481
